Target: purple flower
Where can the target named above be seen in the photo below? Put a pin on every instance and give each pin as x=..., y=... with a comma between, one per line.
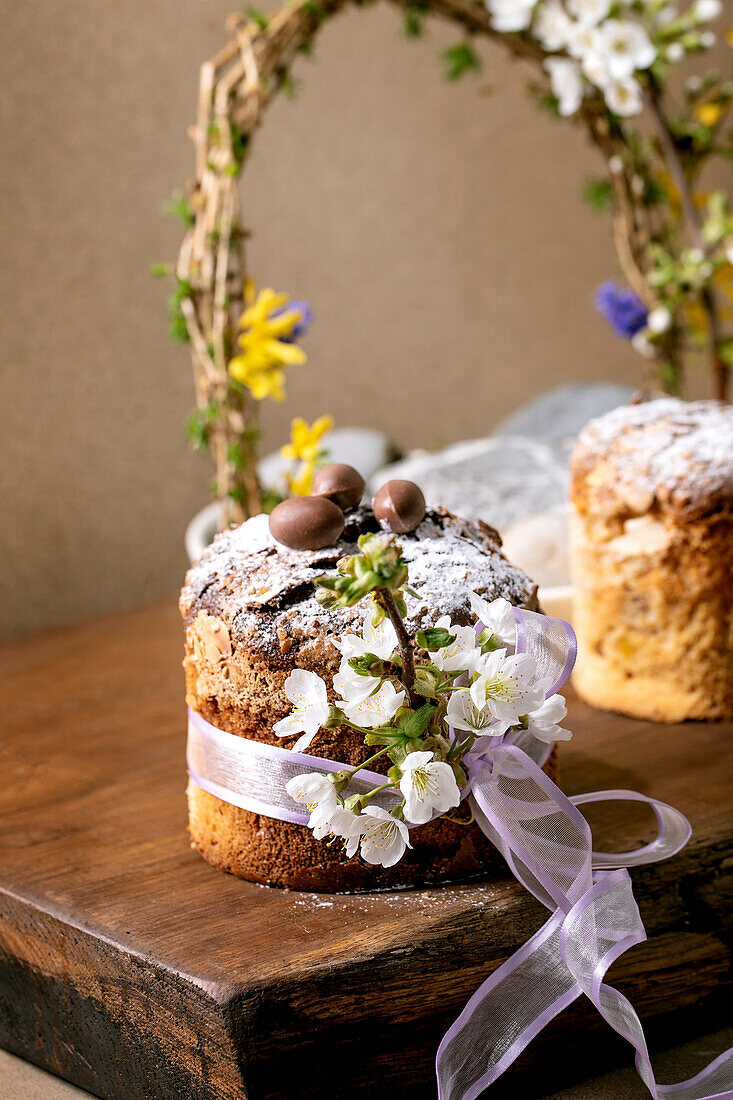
x=623, y=310
x=302, y=326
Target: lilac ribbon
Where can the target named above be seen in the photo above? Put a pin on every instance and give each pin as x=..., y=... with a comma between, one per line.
x=547, y=844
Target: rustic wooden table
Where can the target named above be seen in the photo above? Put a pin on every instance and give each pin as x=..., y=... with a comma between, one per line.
x=130, y=967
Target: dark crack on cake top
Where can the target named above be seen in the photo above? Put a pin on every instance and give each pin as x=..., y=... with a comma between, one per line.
x=264, y=591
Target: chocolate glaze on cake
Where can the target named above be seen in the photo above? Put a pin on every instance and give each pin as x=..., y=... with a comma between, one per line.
x=251, y=616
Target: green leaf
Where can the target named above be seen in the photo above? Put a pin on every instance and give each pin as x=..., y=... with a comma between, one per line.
x=177, y=330
x=670, y=377
x=598, y=193
x=385, y=737
x=434, y=638
x=198, y=424
x=459, y=60
x=316, y=10
x=549, y=103
x=178, y=206
x=184, y=289
x=287, y=84
x=413, y=22
x=269, y=499
x=159, y=270
x=424, y=684
x=367, y=665
x=258, y=17
x=654, y=193
x=488, y=641
x=235, y=455
x=240, y=143
x=726, y=351
x=413, y=723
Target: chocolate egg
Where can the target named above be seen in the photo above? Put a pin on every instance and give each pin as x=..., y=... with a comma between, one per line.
x=399, y=505
x=306, y=523
x=340, y=483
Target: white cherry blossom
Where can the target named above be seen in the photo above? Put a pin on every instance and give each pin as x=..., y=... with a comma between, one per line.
x=705, y=10
x=567, y=83
x=376, y=709
x=510, y=15
x=504, y=686
x=351, y=685
x=428, y=786
x=624, y=97
x=625, y=48
x=666, y=15
x=316, y=793
x=544, y=723
x=589, y=12
x=381, y=640
x=595, y=69
x=342, y=824
x=459, y=655
x=497, y=616
x=383, y=837
x=583, y=41
x=307, y=692
x=659, y=320
x=641, y=343
x=552, y=25
x=463, y=714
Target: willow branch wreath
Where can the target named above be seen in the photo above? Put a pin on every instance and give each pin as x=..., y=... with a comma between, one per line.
x=601, y=62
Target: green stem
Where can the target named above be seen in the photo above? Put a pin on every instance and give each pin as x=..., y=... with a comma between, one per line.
x=352, y=771
x=376, y=790
x=448, y=681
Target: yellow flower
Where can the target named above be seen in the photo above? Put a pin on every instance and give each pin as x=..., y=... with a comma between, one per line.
x=261, y=381
x=305, y=438
x=709, y=113
x=305, y=447
x=301, y=485
x=265, y=329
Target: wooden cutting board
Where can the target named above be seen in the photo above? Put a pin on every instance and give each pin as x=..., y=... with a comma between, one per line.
x=131, y=967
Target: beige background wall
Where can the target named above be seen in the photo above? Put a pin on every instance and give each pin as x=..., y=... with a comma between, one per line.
x=436, y=229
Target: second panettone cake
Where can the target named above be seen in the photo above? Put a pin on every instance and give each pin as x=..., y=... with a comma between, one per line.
x=251, y=617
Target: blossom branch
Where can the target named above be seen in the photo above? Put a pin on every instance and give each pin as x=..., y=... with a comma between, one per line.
x=692, y=216
x=386, y=600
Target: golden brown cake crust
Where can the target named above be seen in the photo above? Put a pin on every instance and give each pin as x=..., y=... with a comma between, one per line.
x=666, y=456
x=250, y=617
x=652, y=560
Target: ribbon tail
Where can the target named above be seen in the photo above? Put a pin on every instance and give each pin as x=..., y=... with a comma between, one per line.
x=597, y=930
x=673, y=830
x=503, y=1016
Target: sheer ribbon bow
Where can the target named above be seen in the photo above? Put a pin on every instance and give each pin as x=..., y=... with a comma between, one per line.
x=547, y=844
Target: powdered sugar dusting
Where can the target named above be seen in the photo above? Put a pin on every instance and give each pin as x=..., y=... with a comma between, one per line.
x=264, y=590
x=669, y=452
